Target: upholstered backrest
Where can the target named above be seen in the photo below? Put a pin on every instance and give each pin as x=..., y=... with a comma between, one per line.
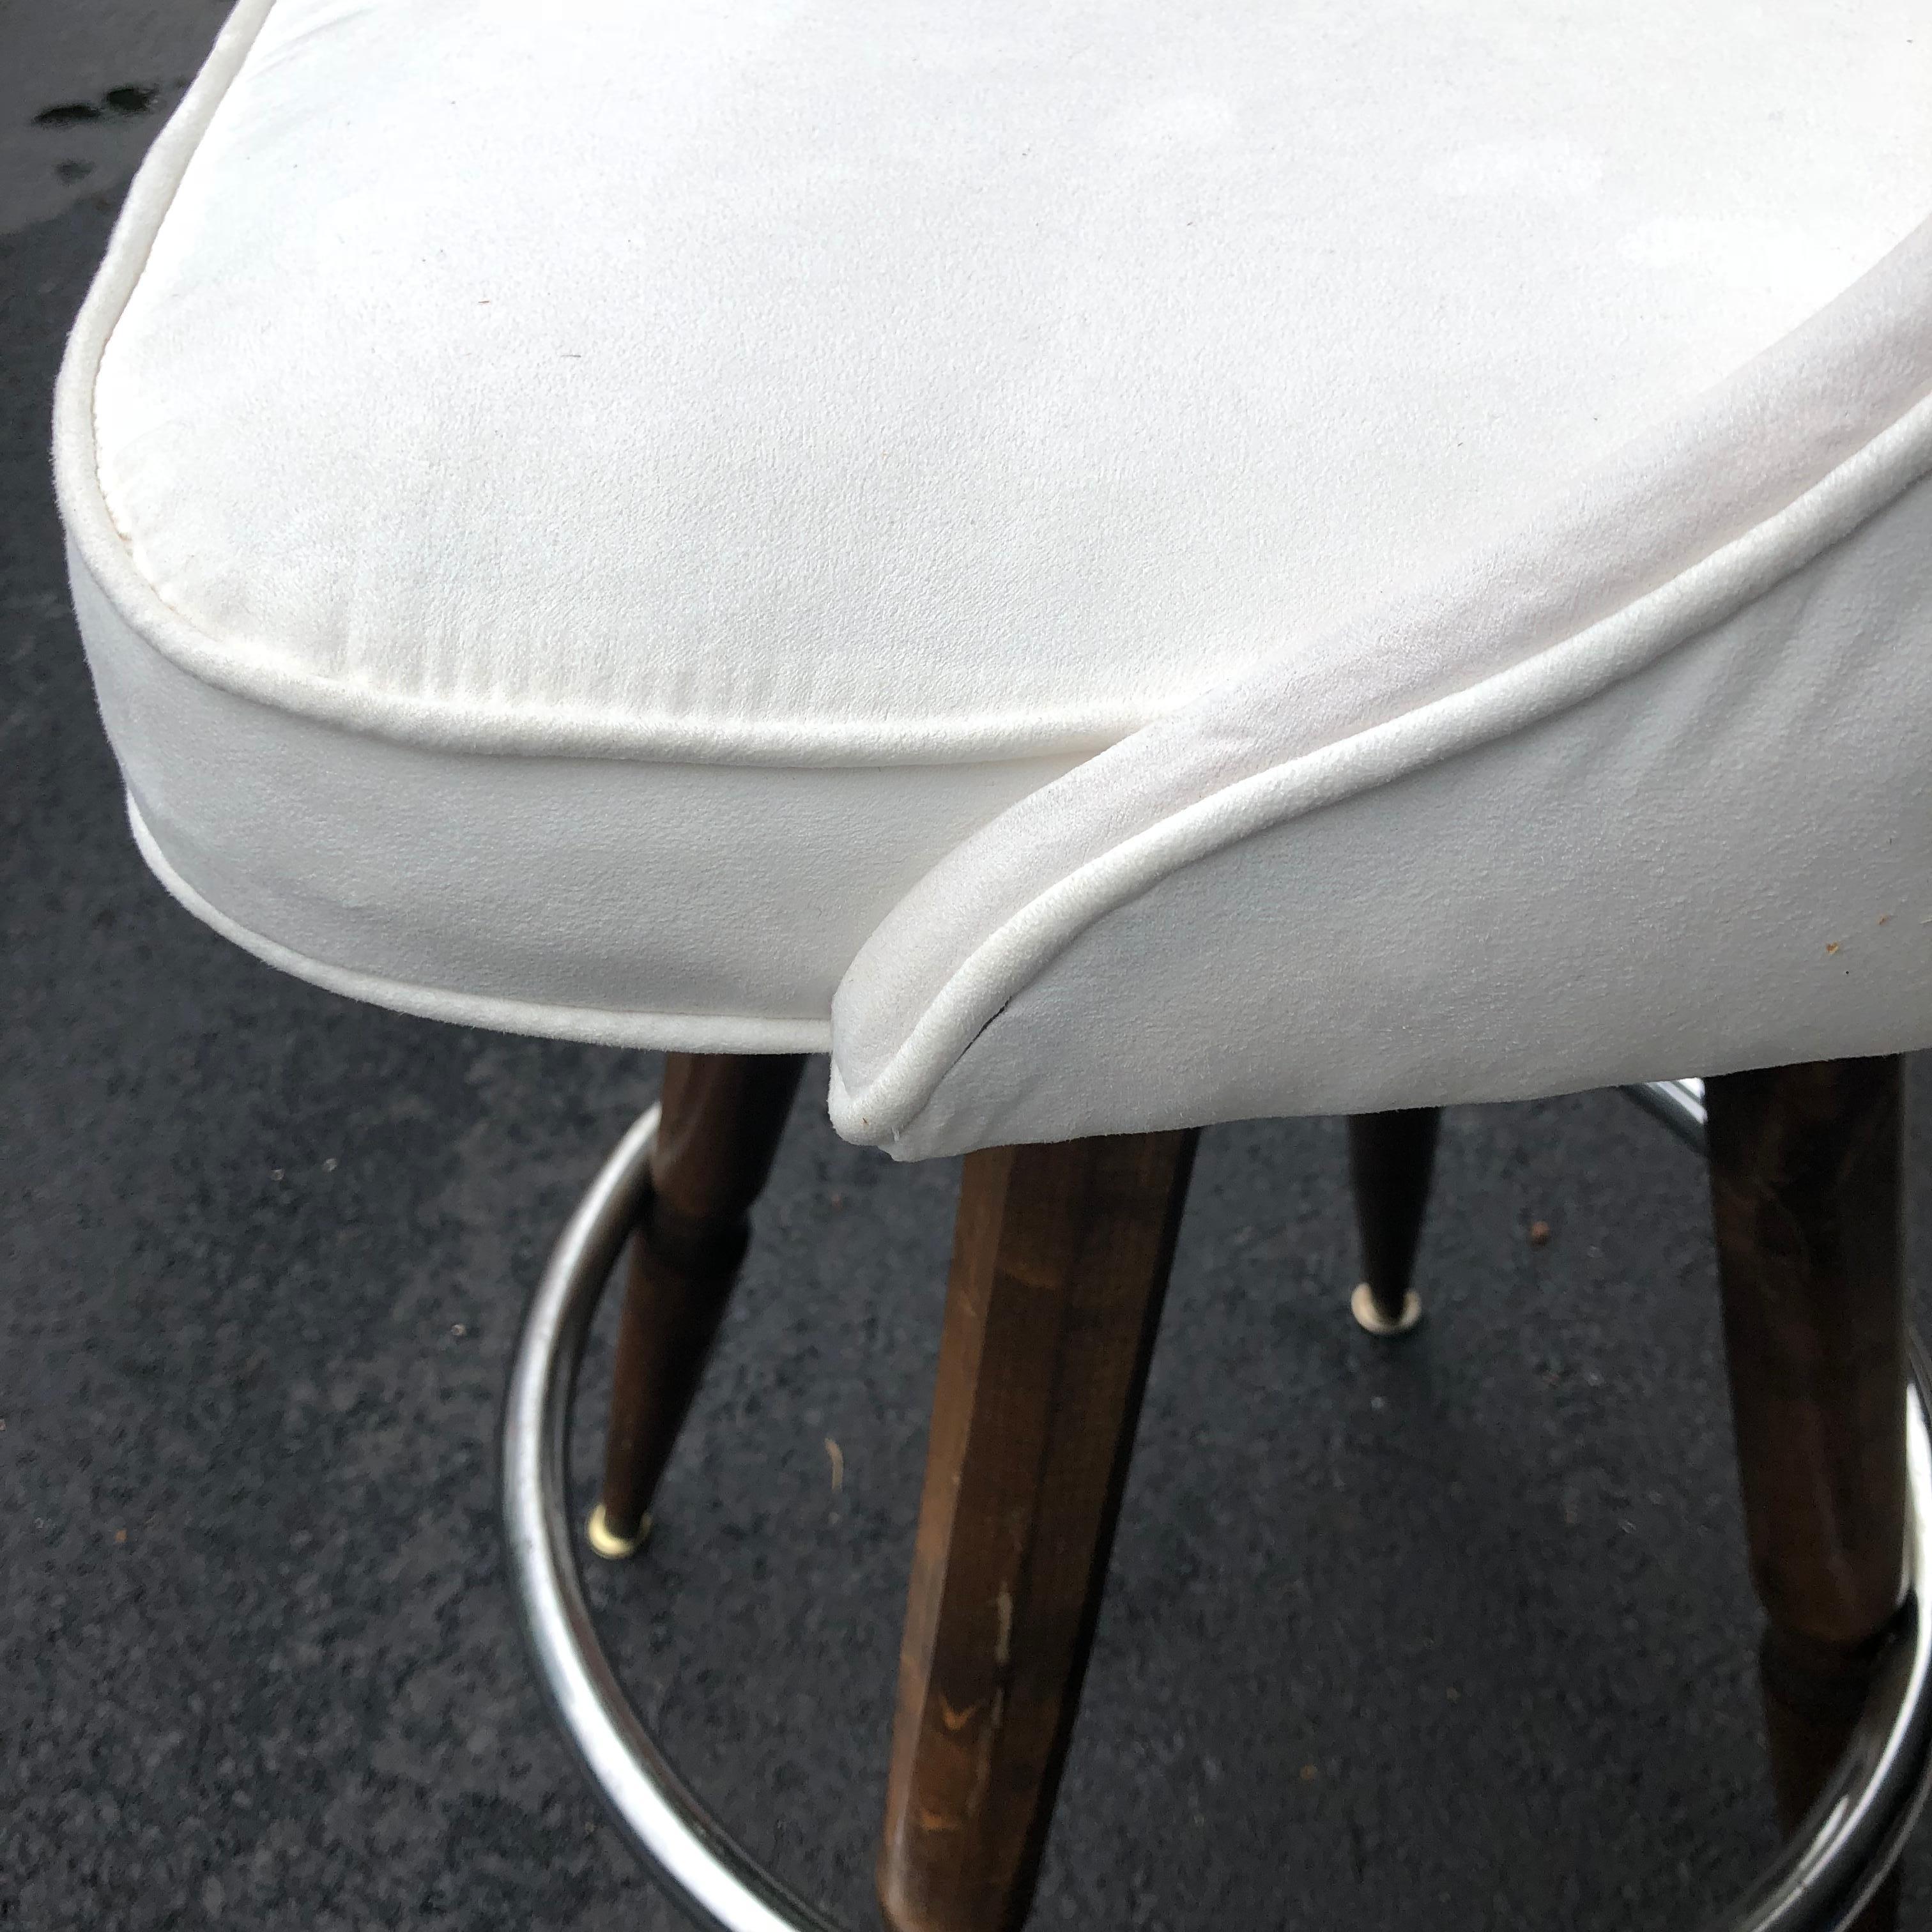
x=1720, y=644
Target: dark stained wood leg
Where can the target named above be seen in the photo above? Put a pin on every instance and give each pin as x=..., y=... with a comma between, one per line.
x=1391, y=1158
x=723, y=1115
x=1059, y=1263
x=1806, y=1189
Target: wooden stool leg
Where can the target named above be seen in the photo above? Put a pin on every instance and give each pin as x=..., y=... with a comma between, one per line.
x=1059, y=1262
x=1806, y=1187
x=722, y=1116
x=1391, y=1158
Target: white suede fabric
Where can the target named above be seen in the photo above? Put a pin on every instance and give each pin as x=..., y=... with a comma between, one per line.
x=1722, y=860
x=1710, y=528
x=707, y=906
x=576, y=517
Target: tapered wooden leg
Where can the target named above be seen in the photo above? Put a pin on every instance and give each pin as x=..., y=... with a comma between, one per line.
x=1806, y=1187
x=1059, y=1262
x=722, y=1116
x=1391, y=1158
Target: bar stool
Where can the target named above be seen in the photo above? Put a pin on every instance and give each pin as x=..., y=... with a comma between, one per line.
x=1112, y=570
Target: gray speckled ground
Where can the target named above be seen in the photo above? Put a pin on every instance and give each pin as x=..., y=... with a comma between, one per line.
x=1456, y=1633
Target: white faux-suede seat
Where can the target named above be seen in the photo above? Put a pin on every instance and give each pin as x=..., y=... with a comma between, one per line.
x=1118, y=567
x=577, y=519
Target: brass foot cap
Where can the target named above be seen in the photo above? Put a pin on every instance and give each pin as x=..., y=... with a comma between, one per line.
x=1363, y=1302
x=607, y=1542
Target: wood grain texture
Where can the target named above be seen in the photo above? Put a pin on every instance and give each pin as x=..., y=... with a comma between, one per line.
x=723, y=1115
x=1059, y=1265
x=1806, y=1190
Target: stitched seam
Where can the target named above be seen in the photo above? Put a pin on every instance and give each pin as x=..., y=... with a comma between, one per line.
x=573, y=732
x=161, y=214
x=1054, y=940
x=371, y=986
x=991, y=739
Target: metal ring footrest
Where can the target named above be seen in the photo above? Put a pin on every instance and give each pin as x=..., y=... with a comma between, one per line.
x=1847, y=1842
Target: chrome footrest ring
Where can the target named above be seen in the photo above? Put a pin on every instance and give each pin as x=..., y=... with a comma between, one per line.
x=1841, y=1852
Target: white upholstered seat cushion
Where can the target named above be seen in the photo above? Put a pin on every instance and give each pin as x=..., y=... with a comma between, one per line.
x=575, y=515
